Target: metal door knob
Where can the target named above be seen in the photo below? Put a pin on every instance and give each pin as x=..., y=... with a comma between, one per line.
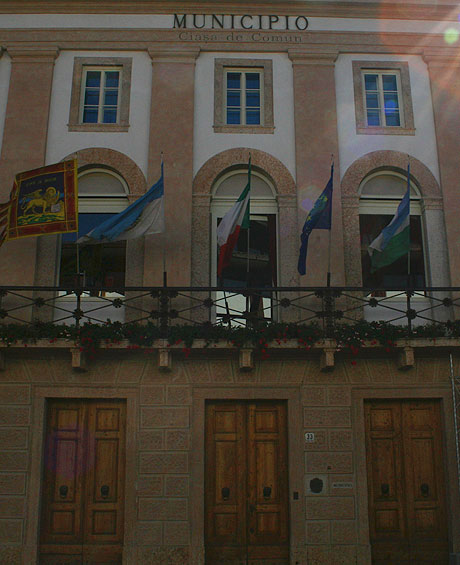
x=104, y=491
x=63, y=490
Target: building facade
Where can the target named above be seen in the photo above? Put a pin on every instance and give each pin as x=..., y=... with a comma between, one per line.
x=303, y=448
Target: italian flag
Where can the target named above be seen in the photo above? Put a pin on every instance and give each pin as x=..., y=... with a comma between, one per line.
x=229, y=228
x=394, y=240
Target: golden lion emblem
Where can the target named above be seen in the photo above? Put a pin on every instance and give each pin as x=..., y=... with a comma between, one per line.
x=49, y=199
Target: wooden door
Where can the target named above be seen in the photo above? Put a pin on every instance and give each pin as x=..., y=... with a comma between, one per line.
x=83, y=485
x=246, y=486
x=407, y=513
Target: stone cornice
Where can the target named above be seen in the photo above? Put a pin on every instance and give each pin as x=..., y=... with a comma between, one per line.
x=164, y=54
x=300, y=57
x=33, y=53
x=441, y=58
x=186, y=41
x=388, y=9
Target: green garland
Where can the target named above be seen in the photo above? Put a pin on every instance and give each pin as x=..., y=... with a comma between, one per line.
x=348, y=336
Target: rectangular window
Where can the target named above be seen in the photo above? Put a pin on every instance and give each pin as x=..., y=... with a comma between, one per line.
x=243, y=96
x=243, y=104
x=381, y=98
x=100, y=96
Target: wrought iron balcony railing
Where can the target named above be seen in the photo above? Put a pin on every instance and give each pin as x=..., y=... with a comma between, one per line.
x=166, y=307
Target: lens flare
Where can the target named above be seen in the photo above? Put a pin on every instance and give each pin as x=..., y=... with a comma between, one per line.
x=451, y=35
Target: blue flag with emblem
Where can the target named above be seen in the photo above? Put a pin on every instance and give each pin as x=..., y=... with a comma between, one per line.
x=319, y=218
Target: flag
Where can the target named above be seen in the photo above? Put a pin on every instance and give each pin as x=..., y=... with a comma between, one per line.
x=228, y=230
x=43, y=201
x=143, y=217
x=318, y=218
x=394, y=240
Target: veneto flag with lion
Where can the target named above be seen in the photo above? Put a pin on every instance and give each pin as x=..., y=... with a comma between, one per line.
x=43, y=201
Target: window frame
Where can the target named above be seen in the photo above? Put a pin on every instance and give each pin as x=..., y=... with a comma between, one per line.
x=81, y=66
x=102, y=88
x=265, y=68
x=401, y=70
x=243, y=71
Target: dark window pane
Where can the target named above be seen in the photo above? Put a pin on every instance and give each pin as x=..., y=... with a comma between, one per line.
x=389, y=82
x=111, y=79
x=233, y=117
x=111, y=98
x=372, y=100
x=233, y=80
x=370, y=82
x=373, y=118
x=253, y=99
x=93, y=78
x=90, y=115
x=91, y=97
x=392, y=118
x=110, y=116
x=234, y=99
x=253, y=80
x=253, y=117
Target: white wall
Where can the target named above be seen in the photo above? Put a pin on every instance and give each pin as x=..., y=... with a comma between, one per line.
x=5, y=72
x=352, y=146
x=133, y=143
x=281, y=144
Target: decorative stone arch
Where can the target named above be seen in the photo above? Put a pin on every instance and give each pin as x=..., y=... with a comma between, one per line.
x=432, y=206
x=285, y=188
x=116, y=161
x=48, y=249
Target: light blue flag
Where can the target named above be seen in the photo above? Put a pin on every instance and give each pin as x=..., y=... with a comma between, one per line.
x=143, y=217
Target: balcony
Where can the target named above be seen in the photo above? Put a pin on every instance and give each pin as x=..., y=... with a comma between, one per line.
x=254, y=320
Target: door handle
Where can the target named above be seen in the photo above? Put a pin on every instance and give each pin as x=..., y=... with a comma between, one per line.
x=225, y=493
x=63, y=490
x=267, y=492
x=425, y=489
x=385, y=488
x=104, y=491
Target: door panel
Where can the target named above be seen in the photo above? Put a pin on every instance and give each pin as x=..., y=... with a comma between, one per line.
x=246, y=483
x=406, y=489
x=83, y=488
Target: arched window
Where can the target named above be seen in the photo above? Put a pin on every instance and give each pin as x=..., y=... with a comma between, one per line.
x=101, y=194
x=380, y=195
x=259, y=267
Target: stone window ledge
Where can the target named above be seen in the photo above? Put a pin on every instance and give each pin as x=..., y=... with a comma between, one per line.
x=244, y=129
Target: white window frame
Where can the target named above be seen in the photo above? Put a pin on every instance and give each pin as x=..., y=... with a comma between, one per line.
x=380, y=73
x=243, y=71
x=103, y=70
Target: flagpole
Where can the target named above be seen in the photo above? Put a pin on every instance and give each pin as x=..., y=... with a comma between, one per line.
x=247, y=258
x=328, y=279
x=165, y=274
x=409, y=318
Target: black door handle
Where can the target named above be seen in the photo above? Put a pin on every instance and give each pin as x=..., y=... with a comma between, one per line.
x=225, y=493
x=63, y=490
x=385, y=488
x=267, y=492
x=425, y=489
x=104, y=491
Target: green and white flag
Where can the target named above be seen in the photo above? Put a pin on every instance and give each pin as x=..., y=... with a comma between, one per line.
x=394, y=240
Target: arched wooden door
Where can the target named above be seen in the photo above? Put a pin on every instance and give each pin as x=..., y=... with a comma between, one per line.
x=246, y=484
x=83, y=483
x=407, y=507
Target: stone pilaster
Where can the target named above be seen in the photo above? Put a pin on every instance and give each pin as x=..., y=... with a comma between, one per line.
x=171, y=132
x=444, y=71
x=316, y=140
x=24, y=142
